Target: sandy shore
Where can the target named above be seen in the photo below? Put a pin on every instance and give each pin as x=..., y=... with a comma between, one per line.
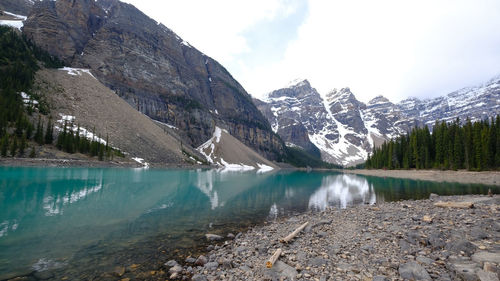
x=461, y=176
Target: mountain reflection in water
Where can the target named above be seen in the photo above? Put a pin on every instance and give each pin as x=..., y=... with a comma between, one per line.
x=342, y=190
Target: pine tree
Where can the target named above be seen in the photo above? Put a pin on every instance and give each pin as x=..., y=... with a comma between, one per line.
x=32, y=153
x=438, y=141
x=476, y=148
x=492, y=139
x=78, y=145
x=458, y=149
x=468, y=147
x=101, y=152
x=29, y=131
x=497, y=153
x=484, y=146
x=13, y=147
x=22, y=147
x=4, y=145
x=108, y=148
x=49, y=134
x=39, y=131
x=61, y=138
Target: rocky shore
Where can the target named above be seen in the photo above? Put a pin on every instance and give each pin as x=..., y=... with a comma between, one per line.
x=460, y=176
x=87, y=162
x=406, y=240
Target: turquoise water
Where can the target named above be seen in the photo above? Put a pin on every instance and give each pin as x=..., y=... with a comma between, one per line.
x=84, y=222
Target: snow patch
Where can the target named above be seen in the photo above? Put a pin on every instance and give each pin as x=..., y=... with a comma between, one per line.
x=77, y=71
x=217, y=134
x=165, y=124
x=263, y=168
x=185, y=43
x=19, y=17
x=298, y=82
x=141, y=161
x=12, y=23
x=227, y=167
x=70, y=125
x=27, y=100
x=210, y=144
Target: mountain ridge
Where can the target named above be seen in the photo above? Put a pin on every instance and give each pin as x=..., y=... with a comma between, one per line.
x=354, y=127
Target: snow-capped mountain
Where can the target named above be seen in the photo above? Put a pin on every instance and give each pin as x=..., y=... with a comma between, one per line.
x=345, y=130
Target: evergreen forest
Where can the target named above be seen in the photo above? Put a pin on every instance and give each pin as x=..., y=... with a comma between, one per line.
x=473, y=146
x=20, y=108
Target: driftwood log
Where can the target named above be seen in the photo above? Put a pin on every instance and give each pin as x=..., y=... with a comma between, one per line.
x=462, y=205
x=294, y=233
x=270, y=262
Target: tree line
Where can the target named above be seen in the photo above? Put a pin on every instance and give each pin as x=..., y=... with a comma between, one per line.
x=472, y=146
x=72, y=141
x=20, y=59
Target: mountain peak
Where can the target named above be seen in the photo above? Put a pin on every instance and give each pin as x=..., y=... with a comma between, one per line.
x=344, y=94
x=378, y=100
x=299, y=82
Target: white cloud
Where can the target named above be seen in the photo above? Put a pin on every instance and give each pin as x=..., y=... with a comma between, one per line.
x=391, y=47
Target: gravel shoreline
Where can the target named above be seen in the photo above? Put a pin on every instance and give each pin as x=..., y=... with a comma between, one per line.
x=461, y=176
x=87, y=163
x=405, y=240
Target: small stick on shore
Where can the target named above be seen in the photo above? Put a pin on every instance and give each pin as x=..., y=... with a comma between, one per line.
x=462, y=205
x=294, y=233
x=270, y=262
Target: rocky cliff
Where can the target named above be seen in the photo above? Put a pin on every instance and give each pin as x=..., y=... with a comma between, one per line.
x=20, y=7
x=345, y=130
x=151, y=68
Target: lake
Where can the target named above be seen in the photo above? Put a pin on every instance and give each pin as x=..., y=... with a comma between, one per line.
x=80, y=223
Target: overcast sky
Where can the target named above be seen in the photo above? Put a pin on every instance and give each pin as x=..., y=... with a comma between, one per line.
x=420, y=48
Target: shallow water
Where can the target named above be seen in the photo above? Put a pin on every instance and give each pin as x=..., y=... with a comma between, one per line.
x=83, y=222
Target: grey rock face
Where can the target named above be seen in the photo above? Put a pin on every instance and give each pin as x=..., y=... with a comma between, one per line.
x=295, y=113
x=20, y=7
x=152, y=68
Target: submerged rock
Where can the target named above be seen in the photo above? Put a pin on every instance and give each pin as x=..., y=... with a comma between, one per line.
x=171, y=263
x=213, y=237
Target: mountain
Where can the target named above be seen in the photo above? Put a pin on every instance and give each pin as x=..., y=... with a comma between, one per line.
x=345, y=130
x=152, y=69
x=20, y=7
